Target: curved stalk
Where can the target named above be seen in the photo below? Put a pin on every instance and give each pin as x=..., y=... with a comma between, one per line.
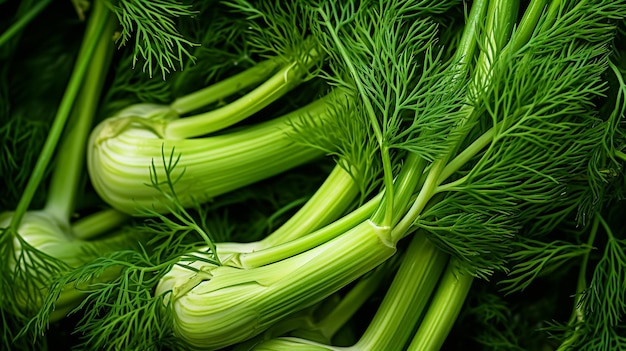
x=269, y=91
x=294, y=247
x=94, y=225
x=224, y=88
x=121, y=154
x=329, y=202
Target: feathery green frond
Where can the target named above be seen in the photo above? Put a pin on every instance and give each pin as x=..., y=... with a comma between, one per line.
x=603, y=302
x=347, y=138
x=223, y=51
x=531, y=259
x=151, y=26
x=25, y=271
x=279, y=28
x=532, y=155
x=130, y=86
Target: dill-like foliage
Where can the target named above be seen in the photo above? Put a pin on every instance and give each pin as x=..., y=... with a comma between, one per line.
x=150, y=26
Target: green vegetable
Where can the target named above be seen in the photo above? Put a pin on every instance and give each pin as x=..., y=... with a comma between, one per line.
x=476, y=148
x=122, y=147
x=399, y=311
x=38, y=245
x=488, y=141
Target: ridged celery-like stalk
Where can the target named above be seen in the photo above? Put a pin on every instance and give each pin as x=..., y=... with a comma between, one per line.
x=217, y=306
x=400, y=310
x=443, y=310
x=123, y=148
x=122, y=151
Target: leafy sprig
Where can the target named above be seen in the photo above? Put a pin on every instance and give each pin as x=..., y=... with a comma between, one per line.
x=492, y=322
x=118, y=301
x=538, y=142
x=603, y=302
x=386, y=56
x=224, y=47
x=532, y=259
x=18, y=137
x=131, y=86
x=31, y=73
x=152, y=25
x=279, y=28
x=178, y=223
x=24, y=274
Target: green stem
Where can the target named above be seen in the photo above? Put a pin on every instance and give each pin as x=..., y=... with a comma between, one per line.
x=552, y=12
x=332, y=321
x=451, y=185
x=530, y=20
x=97, y=22
x=462, y=59
x=401, y=308
x=350, y=304
x=500, y=21
x=97, y=224
x=294, y=344
x=521, y=35
x=443, y=309
x=294, y=247
x=273, y=88
x=405, y=185
x=406, y=298
x=330, y=201
x=224, y=88
x=467, y=45
x=578, y=314
x=23, y=20
x=500, y=17
x=606, y=227
x=620, y=155
x=68, y=170
x=620, y=106
x=332, y=198
x=527, y=24
x=426, y=193
x=409, y=179
x=369, y=108
x=387, y=219
x=467, y=154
